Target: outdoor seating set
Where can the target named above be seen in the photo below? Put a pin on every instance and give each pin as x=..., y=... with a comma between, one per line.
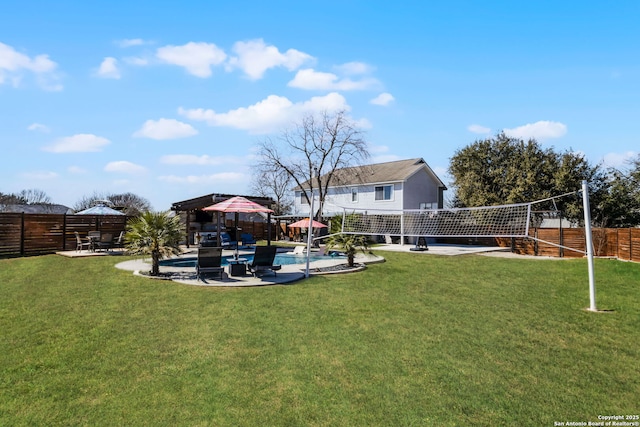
x=210, y=262
x=97, y=241
x=246, y=240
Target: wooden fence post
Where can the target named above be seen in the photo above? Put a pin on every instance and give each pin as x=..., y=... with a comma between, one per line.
x=22, y=234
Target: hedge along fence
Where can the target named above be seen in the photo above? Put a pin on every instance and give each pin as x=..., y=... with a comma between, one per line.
x=24, y=234
x=621, y=243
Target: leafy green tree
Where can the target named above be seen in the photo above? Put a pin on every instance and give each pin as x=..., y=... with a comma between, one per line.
x=505, y=170
x=154, y=233
x=620, y=207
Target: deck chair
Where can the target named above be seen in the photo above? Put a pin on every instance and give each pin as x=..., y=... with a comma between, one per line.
x=209, y=260
x=105, y=242
x=263, y=261
x=247, y=239
x=299, y=250
x=80, y=244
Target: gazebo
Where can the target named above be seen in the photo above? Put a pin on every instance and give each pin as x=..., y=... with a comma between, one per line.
x=193, y=210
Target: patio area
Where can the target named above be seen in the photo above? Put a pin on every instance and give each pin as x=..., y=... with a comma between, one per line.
x=288, y=274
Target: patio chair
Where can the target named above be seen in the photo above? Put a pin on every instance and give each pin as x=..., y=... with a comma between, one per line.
x=80, y=244
x=209, y=260
x=263, y=261
x=299, y=250
x=247, y=239
x=105, y=242
x=227, y=243
x=119, y=242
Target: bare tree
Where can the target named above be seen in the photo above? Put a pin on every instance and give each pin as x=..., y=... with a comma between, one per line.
x=326, y=142
x=129, y=203
x=275, y=184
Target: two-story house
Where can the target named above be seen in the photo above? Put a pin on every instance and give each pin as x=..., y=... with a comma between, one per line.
x=390, y=186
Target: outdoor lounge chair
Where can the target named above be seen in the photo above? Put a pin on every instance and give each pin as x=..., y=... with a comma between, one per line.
x=263, y=261
x=247, y=239
x=227, y=243
x=80, y=244
x=209, y=260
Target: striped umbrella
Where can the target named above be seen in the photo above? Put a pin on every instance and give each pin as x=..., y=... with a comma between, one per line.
x=304, y=223
x=237, y=204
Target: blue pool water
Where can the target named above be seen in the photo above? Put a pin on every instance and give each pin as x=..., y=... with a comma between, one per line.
x=281, y=259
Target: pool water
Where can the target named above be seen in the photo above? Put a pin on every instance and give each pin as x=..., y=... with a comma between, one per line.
x=281, y=259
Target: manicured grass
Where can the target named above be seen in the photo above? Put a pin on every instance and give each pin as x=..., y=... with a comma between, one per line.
x=418, y=340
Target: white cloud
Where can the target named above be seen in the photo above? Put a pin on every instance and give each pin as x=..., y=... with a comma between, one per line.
x=130, y=42
x=538, y=130
x=618, y=160
x=217, y=178
x=40, y=175
x=479, y=129
x=109, y=69
x=123, y=166
x=136, y=60
x=13, y=64
x=196, y=58
x=383, y=99
x=76, y=170
x=165, y=129
x=79, y=143
x=39, y=127
x=316, y=80
x=254, y=58
x=190, y=159
x=268, y=115
x=354, y=68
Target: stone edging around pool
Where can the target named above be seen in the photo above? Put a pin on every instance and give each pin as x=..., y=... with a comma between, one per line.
x=288, y=273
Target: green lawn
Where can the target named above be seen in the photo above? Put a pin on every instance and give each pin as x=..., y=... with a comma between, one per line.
x=418, y=340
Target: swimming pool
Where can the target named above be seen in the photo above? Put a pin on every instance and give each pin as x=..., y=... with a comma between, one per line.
x=281, y=259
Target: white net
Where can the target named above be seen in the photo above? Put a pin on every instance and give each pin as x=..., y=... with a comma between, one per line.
x=489, y=221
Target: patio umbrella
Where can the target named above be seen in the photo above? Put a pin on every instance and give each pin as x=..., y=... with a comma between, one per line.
x=304, y=223
x=237, y=204
x=99, y=210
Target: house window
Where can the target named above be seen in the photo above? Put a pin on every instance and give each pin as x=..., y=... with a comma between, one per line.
x=303, y=199
x=354, y=195
x=384, y=192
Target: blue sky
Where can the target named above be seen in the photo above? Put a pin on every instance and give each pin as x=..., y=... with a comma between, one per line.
x=168, y=100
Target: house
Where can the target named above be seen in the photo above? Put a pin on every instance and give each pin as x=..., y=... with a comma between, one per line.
x=390, y=186
x=44, y=208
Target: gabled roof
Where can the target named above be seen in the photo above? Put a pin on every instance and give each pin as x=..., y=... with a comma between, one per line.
x=397, y=171
x=37, y=209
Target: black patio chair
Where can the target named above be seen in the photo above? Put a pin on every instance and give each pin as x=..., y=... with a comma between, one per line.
x=209, y=261
x=263, y=261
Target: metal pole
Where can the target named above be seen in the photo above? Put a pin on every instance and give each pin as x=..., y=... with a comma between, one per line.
x=589, y=243
x=310, y=229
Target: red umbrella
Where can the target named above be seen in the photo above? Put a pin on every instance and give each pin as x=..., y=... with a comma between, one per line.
x=304, y=223
x=237, y=204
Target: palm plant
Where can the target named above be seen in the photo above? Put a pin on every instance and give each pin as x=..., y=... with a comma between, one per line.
x=154, y=233
x=347, y=243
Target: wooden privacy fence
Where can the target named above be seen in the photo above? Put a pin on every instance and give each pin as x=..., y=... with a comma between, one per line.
x=621, y=243
x=24, y=234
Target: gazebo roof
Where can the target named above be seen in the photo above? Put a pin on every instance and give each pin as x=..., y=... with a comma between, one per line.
x=209, y=199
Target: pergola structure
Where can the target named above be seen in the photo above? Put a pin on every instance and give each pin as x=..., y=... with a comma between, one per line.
x=191, y=206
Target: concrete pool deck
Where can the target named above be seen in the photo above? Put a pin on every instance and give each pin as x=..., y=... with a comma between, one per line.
x=288, y=273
